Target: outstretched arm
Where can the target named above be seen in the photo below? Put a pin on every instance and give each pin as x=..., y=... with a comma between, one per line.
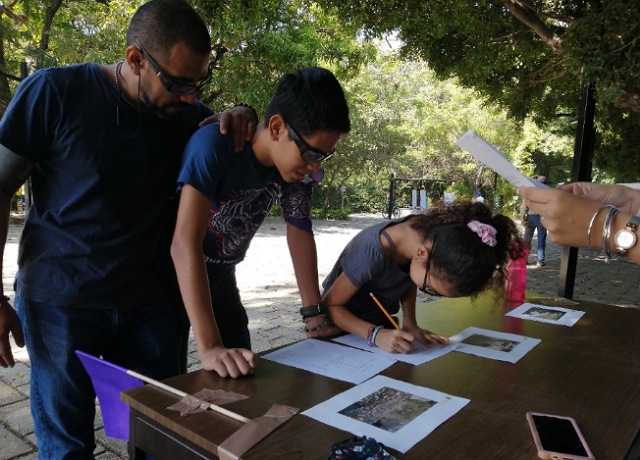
x=188, y=258
x=625, y=198
x=302, y=247
x=574, y=220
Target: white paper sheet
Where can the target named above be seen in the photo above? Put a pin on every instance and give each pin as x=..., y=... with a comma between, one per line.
x=492, y=158
x=546, y=314
x=419, y=355
x=397, y=414
x=493, y=344
x=331, y=360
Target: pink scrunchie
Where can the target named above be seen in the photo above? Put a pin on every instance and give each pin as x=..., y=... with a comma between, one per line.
x=486, y=232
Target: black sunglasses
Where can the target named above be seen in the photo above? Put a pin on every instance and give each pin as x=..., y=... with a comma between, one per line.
x=425, y=283
x=175, y=85
x=308, y=153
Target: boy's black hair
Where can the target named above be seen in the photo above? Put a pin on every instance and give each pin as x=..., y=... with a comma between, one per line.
x=311, y=100
x=160, y=24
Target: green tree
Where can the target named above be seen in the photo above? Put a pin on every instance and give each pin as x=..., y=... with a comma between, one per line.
x=533, y=58
x=253, y=42
x=407, y=121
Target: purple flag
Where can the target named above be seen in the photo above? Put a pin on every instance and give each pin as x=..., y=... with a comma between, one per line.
x=109, y=380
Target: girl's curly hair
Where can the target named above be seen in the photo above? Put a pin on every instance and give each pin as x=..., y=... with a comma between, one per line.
x=458, y=256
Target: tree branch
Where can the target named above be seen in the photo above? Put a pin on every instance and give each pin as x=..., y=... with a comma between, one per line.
x=19, y=18
x=533, y=22
x=46, y=26
x=538, y=12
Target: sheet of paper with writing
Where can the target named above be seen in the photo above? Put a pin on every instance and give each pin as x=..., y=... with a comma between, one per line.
x=331, y=360
x=492, y=158
x=420, y=355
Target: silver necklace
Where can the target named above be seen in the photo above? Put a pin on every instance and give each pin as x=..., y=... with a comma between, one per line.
x=117, y=75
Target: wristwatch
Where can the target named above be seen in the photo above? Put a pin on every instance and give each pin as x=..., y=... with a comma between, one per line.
x=626, y=238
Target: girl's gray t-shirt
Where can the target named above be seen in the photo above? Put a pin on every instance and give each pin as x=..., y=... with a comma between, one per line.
x=368, y=267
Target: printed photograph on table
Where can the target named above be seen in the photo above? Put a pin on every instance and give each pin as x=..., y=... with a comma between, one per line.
x=496, y=345
x=394, y=413
x=546, y=314
x=388, y=408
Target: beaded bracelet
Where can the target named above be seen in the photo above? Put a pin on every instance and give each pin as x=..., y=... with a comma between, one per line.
x=326, y=322
x=370, y=334
x=372, y=341
x=606, y=233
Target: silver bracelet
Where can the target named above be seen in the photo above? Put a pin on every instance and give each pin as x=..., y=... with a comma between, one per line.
x=606, y=233
x=593, y=219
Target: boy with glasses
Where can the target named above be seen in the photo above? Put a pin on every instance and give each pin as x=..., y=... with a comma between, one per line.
x=225, y=197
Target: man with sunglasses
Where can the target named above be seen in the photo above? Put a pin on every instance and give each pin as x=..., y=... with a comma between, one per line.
x=102, y=145
x=225, y=197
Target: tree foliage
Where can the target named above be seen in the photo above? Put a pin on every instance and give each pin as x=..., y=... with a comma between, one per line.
x=256, y=41
x=408, y=121
x=533, y=58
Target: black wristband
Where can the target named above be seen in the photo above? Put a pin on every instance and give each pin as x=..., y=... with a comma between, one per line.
x=312, y=310
x=255, y=114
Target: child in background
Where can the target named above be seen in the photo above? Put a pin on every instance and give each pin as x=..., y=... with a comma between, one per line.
x=452, y=251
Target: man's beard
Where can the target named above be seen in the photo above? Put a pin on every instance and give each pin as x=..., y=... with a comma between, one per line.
x=162, y=112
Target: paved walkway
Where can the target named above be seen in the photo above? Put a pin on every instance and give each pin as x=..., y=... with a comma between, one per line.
x=270, y=295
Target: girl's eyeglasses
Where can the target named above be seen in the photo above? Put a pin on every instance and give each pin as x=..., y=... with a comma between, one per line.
x=425, y=283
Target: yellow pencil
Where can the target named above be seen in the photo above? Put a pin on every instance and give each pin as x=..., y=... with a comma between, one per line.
x=384, y=310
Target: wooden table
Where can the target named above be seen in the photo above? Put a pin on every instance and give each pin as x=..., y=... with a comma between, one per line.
x=590, y=371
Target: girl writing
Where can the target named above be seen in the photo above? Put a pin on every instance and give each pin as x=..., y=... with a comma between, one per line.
x=452, y=251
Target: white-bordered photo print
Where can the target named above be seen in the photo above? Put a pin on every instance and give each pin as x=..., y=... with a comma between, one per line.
x=493, y=344
x=397, y=414
x=546, y=314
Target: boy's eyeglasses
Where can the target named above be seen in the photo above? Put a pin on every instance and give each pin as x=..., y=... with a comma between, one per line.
x=425, y=283
x=308, y=153
x=174, y=85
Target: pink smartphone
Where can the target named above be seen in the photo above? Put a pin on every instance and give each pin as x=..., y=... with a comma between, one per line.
x=558, y=437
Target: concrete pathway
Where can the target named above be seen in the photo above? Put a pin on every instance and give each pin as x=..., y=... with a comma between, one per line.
x=269, y=292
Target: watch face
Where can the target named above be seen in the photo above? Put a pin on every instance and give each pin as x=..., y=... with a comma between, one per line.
x=625, y=239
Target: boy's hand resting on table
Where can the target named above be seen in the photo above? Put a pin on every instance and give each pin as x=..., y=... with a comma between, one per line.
x=229, y=362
